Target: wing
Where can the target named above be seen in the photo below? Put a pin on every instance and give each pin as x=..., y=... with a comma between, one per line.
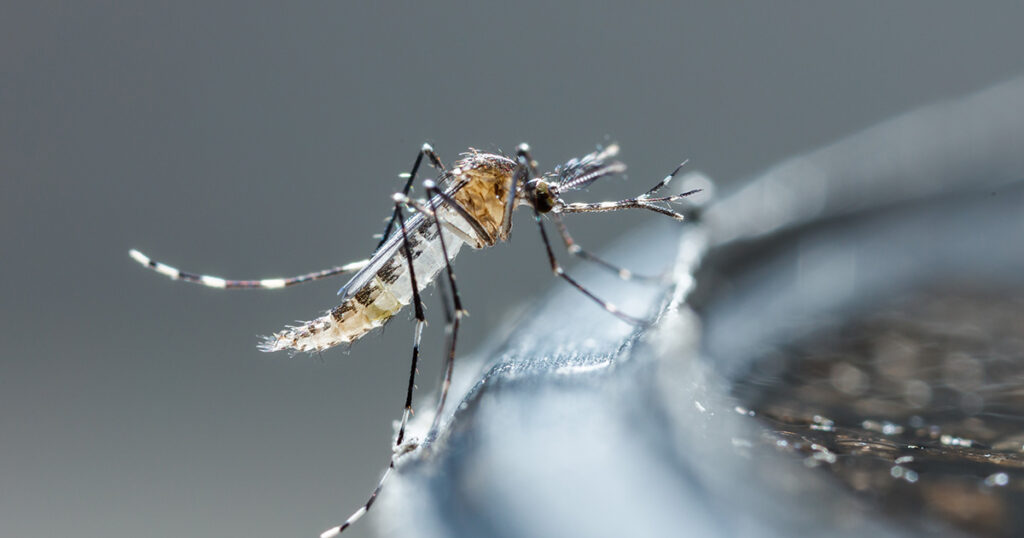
x=390, y=250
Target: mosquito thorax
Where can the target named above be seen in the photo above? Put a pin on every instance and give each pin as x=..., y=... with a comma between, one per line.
x=540, y=195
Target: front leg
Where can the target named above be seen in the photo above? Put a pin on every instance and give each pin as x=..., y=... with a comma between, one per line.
x=525, y=168
x=639, y=202
x=572, y=247
x=644, y=201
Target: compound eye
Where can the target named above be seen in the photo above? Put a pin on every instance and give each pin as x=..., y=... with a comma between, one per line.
x=543, y=199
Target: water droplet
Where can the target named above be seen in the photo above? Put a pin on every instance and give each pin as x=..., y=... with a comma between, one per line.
x=885, y=427
x=950, y=440
x=849, y=379
x=917, y=393
x=997, y=479
x=821, y=423
x=888, y=428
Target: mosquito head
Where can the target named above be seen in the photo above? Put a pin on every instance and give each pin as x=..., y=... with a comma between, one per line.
x=542, y=195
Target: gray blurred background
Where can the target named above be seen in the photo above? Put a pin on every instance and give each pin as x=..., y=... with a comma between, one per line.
x=255, y=140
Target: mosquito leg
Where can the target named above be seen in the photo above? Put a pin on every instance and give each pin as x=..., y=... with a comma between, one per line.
x=573, y=248
x=266, y=283
x=420, y=321
x=435, y=161
x=482, y=237
x=358, y=514
x=453, y=314
x=531, y=165
x=399, y=448
x=644, y=201
x=559, y=272
x=640, y=202
x=525, y=166
x=664, y=183
x=334, y=531
x=452, y=318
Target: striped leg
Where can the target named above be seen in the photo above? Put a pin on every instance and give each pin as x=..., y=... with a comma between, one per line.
x=399, y=448
x=481, y=237
x=420, y=321
x=358, y=514
x=573, y=248
x=266, y=283
x=453, y=315
x=435, y=161
x=334, y=531
x=640, y=202
x=525, y=165
x=452, y=318
x=664, y=183
x=644, y=201
x=559, y=272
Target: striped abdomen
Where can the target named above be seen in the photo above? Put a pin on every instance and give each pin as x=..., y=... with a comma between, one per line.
x=376, y=293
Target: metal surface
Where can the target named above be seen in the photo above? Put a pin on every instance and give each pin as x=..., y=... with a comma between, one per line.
x=575, y=424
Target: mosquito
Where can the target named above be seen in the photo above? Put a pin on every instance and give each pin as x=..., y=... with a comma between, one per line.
x=469, y=204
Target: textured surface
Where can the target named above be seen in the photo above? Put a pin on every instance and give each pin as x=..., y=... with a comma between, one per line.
x=576, y=424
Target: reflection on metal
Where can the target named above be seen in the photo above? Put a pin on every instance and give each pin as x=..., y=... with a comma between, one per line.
x=841, y=344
